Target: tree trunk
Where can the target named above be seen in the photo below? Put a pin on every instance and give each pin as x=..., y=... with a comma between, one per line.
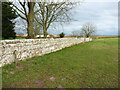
x=30, y=20
x=45, y=31
x=30, y=29
x=45, y=34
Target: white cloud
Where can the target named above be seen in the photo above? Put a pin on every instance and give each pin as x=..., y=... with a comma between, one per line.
x=103, y=15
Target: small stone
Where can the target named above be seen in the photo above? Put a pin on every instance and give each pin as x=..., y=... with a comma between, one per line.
x=52, y=78
x=63, y=78
x=11, y=72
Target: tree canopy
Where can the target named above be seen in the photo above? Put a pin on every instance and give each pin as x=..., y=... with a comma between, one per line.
x=88, y=29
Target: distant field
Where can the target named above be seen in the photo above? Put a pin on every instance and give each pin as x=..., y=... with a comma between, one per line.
x=96, y=36
x=107, y=36
x=87, y=65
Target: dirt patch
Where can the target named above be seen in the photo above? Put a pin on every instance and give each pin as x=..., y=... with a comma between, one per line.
x=19, y=67
x=41, y=83
x=33, y=62
x=10, y=72
x=60, y=87
x=38, y=84
x=16, y=85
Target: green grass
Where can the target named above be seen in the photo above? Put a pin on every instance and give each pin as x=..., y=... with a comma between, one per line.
x=87, y=65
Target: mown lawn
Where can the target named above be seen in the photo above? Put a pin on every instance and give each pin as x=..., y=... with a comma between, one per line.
x=87, y=65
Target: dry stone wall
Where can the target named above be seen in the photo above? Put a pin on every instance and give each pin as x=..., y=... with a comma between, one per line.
x=21, y=49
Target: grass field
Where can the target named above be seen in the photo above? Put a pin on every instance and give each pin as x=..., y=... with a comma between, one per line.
x=87, y=65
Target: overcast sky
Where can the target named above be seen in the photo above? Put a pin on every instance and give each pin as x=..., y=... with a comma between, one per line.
x=104, y=15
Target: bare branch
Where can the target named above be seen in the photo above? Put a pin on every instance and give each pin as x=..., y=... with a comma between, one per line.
x=18, y=9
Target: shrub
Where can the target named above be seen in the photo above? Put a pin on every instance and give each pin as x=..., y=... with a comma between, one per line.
x=62, y=35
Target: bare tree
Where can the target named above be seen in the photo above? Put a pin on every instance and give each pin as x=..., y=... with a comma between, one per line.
x=27, y=12
x=51, y=12
x=88, y=29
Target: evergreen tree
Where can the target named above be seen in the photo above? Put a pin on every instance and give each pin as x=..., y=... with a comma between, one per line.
x=7, y=25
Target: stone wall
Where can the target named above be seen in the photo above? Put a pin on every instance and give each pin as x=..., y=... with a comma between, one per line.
x=21, y=49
